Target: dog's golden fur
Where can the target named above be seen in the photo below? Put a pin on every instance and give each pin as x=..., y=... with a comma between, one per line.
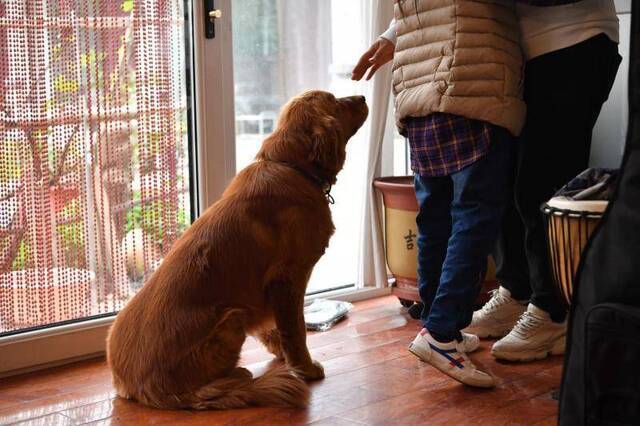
x=241, y=268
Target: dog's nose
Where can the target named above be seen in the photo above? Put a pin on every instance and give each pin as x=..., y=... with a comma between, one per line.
x=362, y=99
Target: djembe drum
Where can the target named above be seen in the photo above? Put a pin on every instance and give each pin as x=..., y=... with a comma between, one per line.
x=570, y=224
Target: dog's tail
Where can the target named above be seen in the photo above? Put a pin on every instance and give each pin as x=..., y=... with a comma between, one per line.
x=275, y=388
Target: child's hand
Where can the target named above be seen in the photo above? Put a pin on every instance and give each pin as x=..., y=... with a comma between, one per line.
x=380, y=52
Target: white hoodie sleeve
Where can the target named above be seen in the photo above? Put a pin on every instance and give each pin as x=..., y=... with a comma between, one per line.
x=390, y=33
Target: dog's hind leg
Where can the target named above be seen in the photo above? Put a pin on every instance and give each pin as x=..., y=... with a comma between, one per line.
x=237, y=388
x=213, y=355
x=222, y=347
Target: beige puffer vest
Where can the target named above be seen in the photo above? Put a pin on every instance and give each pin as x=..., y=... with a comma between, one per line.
x=461, y=57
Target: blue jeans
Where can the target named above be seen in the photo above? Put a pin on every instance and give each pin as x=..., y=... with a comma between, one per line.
x=458, y=224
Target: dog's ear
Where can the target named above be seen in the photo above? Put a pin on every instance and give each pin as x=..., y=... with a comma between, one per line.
x=326, y=153
x=293, y=125
x=307, y=133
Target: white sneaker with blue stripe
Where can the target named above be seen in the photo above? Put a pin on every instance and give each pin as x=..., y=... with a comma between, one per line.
x=451, y=358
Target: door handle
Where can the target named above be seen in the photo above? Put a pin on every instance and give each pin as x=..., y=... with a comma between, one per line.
x=211, y=14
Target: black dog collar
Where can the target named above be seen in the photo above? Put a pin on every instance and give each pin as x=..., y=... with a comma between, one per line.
x=321, y=183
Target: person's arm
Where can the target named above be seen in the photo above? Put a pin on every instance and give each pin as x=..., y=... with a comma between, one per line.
x=378, y=54
x=390, y=33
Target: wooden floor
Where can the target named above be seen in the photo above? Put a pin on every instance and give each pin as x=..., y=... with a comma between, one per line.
x=371, y=379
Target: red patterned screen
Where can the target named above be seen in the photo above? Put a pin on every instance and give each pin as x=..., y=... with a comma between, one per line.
x=94, y=176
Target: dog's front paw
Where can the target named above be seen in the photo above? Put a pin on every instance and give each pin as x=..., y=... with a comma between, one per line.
x=314, y=371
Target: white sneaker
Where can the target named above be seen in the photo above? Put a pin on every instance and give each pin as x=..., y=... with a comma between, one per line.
x=450, y=358
x=470, y=342
x=498, y=316
x=535, y=336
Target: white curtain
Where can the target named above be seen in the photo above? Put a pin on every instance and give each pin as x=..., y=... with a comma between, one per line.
x=372, y=271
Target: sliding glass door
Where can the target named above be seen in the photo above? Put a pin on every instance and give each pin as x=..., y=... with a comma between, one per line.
x=281, y=48
x=95, y=170
x=106, y=157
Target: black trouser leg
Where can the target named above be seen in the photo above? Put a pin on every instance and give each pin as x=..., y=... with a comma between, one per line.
x=564, y=92
x=512, y=269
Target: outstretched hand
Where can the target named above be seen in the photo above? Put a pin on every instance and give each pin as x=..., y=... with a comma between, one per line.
x=380, y=52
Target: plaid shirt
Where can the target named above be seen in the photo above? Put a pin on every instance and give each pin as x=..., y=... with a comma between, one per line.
x=442, y=144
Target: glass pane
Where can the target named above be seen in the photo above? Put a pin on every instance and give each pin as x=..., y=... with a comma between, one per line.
x=281, y=48
x=94, y=170
x=401, y=155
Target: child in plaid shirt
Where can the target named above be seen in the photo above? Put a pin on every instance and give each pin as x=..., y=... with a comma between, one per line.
x=461, y=154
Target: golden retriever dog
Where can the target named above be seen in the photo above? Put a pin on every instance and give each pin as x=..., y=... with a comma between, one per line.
x=241, y=268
